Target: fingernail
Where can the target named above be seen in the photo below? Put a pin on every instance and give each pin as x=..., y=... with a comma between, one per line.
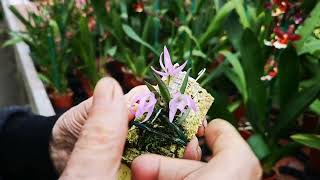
x=205, y=123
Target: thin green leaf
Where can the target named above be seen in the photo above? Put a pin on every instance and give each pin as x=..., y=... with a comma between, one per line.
x=20, y=17
x=294, y=108
x=164, y=91
x=156, y=116
x=185, y=82
x=144, y=127
x=133, y=35
x=188, y=31
x=14, y=40
x=216, y=22
x=310, y=140
x=234, y=61
x=242, y=13
x=151, y=88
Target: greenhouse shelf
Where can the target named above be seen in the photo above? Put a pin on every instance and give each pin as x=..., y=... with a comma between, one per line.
x=36, y=93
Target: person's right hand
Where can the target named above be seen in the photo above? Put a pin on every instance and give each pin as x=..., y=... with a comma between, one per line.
x=232, y=159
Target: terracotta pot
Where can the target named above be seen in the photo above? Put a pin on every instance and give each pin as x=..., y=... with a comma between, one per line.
x=85, y=84
x=87, y=87
x=62, y=101
x=131, y=81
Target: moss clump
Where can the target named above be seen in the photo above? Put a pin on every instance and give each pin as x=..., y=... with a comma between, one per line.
x=167, y=139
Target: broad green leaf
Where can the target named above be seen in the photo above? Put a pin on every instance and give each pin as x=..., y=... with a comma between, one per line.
x=234, y=61
x=315, y=107
x=311, y=46
x=288, y=75
x=112, y=51
x=310, y=140
x=185, y=82
x=294, y=108
x=165, y=94
x=133, y=35
x=307, y=28
x=253, y=64
x=259, y=146
x=216, y=22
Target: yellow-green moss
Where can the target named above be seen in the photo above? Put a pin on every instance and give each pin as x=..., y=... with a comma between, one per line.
x=190, y=126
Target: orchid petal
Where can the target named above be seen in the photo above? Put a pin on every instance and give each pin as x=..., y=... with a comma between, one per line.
x=161, y=62
x=191, y=104
x=167, y=60
x=180, y=68
x=163, y=74
x=172, y=113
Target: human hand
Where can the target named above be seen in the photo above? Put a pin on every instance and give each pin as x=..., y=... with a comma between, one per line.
x=68, y=127
x=233, y=159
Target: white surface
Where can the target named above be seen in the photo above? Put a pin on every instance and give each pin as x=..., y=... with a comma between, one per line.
x=36, y=92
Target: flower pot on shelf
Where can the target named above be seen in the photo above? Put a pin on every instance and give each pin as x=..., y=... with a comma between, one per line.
x=85, y=84
x=126, y=79
x=131, y=81
x=62, y=101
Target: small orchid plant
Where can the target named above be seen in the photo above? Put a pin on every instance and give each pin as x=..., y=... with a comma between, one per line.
x=162, y=106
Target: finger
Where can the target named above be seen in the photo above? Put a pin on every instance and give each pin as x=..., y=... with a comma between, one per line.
x=228, y=146
x=202, y=128
x=221, y=135
x=193, y=150
x=151, y=166
x=99, y=149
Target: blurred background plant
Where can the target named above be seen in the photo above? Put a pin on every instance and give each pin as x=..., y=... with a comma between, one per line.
x=261, y=59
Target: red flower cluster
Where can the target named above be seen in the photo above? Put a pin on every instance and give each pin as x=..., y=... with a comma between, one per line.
x=285, y=13
x=138, y=7
x=270, y=69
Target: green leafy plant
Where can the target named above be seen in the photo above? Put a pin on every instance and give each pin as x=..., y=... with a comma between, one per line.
x=46, y=36
x=310, y=140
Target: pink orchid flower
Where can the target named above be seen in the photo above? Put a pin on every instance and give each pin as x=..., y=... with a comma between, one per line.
x=180, y=102
x=143, y=104
x=80, y=3
x=168, y=68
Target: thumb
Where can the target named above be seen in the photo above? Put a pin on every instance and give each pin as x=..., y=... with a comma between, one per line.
x=97, y=153
x=151, y=166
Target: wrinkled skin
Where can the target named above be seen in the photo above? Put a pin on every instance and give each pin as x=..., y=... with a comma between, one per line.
x=232, y=159
x=111, y=106
x=88, y=141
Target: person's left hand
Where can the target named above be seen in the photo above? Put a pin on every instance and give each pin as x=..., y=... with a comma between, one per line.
x=67, y=129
